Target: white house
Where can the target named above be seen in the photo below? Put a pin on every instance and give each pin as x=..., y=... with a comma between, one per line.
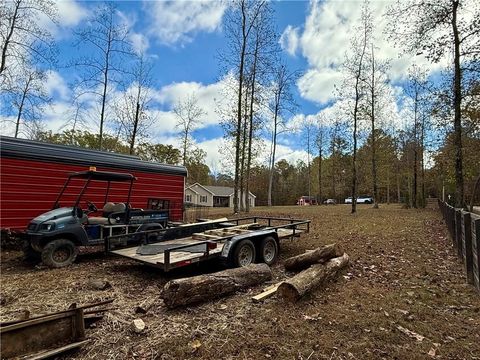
x=214, y=196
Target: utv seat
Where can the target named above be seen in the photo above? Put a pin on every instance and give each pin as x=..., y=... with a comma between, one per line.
x=108, y=208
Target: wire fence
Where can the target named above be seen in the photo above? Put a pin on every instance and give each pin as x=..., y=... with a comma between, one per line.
x=464, y=229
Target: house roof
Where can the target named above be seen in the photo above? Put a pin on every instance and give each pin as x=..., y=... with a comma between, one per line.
x=220, y=190
x=217, y=190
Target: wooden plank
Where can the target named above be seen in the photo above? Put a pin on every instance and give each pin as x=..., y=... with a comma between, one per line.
x=49, y=353
x=268, y=292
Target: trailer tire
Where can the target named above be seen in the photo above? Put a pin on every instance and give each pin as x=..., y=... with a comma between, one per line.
x=268, y=250
x=243, y=254
x=59, y=253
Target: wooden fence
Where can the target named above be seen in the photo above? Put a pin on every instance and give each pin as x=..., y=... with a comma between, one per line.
x=464, y=229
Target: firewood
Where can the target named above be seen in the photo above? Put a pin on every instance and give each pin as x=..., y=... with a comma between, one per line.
x=307, y=280
x=319, y=255
x=180, y=292
x=145, y=306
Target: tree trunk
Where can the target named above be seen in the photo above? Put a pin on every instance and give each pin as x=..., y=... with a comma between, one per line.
x=415, y=152
x=135, y=126
x=3, y=63
x=457, y=102
x=272, y=164
x=319, y=255
x=311, y=278
x=180, y=292
x=250, y=130
x=388, y=186
x=239, y=112
x=320, y=173
x=374, y=159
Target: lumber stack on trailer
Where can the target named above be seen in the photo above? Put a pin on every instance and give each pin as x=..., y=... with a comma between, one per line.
x=180, y=292
x=311, y=278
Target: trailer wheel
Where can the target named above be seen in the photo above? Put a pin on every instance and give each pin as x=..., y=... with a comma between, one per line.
x=268, y=251
x=59, y=253
x=243, y=254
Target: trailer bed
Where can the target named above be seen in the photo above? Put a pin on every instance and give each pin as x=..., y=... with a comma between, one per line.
x=207, y=244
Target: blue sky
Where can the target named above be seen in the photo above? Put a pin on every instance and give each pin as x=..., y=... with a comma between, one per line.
x=182, y=40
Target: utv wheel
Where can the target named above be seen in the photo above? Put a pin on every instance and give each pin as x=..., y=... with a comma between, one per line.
x=59, y=253
x=29, y=254
x=243, y=254
x=268, y=253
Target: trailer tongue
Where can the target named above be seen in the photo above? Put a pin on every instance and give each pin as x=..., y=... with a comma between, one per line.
x=239, y=243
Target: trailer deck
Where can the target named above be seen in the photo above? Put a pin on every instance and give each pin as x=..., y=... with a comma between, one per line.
x=208, y=244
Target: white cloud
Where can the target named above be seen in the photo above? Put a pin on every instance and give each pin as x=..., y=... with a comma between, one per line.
x=325, y=40
x=70, y=12
x=289, y=40
x=209, y=98
x=56, y=85
x=139, y=42
x=175, y=22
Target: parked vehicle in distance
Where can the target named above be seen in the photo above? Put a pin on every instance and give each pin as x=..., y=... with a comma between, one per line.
x=307, y=200
x=330, y=202
x=362, y=199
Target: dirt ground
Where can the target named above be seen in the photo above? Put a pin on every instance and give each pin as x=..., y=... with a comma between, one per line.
x=403, y=273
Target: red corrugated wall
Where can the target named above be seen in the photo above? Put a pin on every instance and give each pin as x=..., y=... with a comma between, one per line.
x=29, y=188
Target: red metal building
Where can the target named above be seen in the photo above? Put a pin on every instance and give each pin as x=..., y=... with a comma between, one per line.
x=32, y=174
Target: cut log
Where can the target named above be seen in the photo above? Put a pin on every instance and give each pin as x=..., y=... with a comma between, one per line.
x=319, y=255
x=145, y=306
x=318, y=274
x=200, y=288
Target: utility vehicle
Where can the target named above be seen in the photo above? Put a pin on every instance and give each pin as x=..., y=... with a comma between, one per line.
x=55, y=236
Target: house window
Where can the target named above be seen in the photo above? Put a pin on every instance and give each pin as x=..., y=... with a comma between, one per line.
x=158, y=204
x=203, y=198
x=188, y=198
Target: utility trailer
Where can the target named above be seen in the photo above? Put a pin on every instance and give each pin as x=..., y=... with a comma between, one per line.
x=239, y=242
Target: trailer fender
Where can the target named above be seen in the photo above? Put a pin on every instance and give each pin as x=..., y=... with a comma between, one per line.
x=229, y=246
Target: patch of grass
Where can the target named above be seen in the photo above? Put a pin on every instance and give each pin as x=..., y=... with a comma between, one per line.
x=403, y=272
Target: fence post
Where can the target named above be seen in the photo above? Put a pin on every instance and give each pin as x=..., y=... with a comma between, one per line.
x=475, y=228
x=467, y=245
x=458, y=232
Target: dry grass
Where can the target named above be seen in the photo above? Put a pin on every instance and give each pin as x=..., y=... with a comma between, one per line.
x=403, y=273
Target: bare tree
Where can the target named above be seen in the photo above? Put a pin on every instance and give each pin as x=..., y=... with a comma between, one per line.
x=280, y=104
x=132, y=109
x=438, y=28
x=76, y=118
x=263, y=50
x=415, y=90
x=23, y=37
x=27, y=98
x=240, y=21
x=189, y=115
x=106, y=40
x=353, y=87
x=376, y=82
x=320, y=143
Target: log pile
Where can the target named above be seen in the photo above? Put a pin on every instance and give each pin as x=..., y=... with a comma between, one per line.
x=180, y=292
x=311, y=278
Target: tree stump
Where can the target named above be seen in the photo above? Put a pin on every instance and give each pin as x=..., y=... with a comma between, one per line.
x=201, y=288
x=307, y=280
x=319, y=255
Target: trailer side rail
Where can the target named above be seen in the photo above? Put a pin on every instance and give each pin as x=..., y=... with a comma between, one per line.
x=296, y=225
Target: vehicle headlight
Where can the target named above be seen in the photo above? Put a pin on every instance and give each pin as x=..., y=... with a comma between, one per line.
x=47, y=227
